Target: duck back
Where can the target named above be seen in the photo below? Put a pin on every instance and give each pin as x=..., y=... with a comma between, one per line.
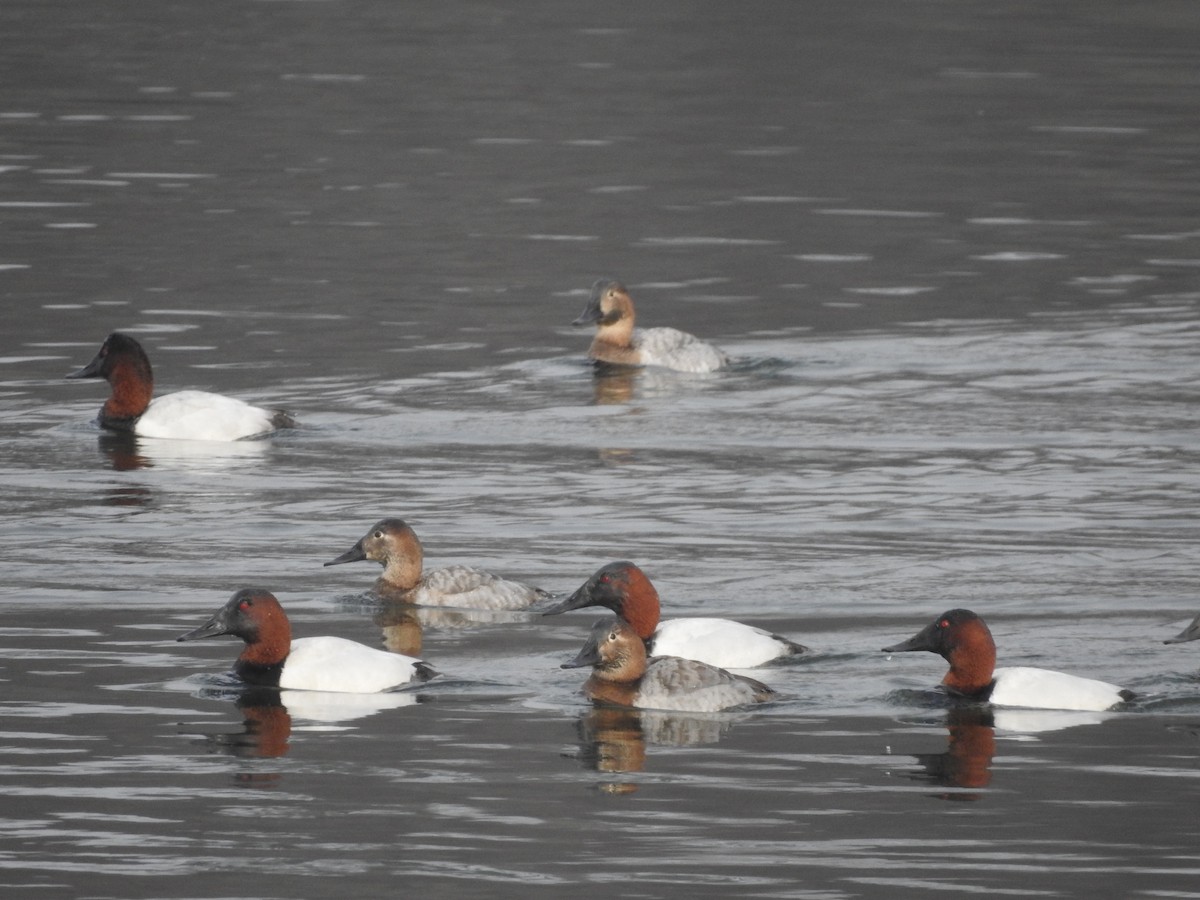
x=720, y=642
x=338, y=665
x=684, y=684
x=1046, y=689
x=678, y=350
x=469, y=588
x=203, y=416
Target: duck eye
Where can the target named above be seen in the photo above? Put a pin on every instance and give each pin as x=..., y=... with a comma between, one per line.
x=245, y=604
x=378, y=534
x=945, y=623
x=612, y=635
x=604, y=579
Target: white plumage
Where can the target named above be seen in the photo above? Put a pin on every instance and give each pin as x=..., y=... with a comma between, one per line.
x=338, y=665
x=1046, y=689
x=203, y=416
x=718, y=642
x=678, y=350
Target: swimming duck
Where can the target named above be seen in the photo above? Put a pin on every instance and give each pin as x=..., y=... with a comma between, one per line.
x=623, y=675
x=963, y=639
x=271, y=658
x=1191, y=633
x=185, y=415
x=624, y=588
x=394, y=544
x=617, y=342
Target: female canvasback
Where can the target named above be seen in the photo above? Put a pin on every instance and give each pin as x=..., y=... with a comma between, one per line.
x=394, y=544
x=185, y=415
x=625, y=589
x=623, y=675
x=964, y=641
x=1191, y=633
x=617, y=342
x=271, y=658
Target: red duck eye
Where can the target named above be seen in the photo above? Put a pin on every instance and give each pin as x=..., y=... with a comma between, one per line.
x=945, y=623
x=604, y=579
x=245, y=604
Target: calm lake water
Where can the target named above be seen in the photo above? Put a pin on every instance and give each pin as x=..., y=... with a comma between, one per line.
x=954, y=250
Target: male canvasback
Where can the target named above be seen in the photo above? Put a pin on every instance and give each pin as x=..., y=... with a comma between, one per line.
x=964, y=641
x=185, y=415
x=394, y=544
x=617, y=342
x=623, y=675
x=271, y=658
x=625, y=589
x=1191, y=633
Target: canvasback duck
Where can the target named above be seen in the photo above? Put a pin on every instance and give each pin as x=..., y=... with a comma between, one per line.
x=272, y=659
x=394, y=544
x=618, y=343
x=624, y=588
x=963, y=640
x=1191, y=633
x=185, y=415
x=623, y=675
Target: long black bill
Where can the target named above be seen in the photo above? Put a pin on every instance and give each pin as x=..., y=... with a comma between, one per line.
x=219, y=624
x=354, y=554
x=578, y=600
x=91, y=370
x=922, y=640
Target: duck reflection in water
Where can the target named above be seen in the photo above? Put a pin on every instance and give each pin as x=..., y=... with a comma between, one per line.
x=617, y=385
x=403, y=625
x=613, y=385
x=613, y=739
x=270, y=716
x=967, y=760
x=266, y=727
x=127, y=452
x=121, y=449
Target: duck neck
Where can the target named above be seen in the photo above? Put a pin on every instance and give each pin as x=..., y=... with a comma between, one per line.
x=615, y=330
x=600, y=690
x=626, y=666
x=268, y=650
x=256, y=674
x=132, y=387
x=402, y=571
x=640, y=606
x=972, y=663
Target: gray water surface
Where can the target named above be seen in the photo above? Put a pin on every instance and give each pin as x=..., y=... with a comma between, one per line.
x=953, y=249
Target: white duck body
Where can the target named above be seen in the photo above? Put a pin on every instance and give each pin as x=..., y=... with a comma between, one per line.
x=1032, y=688
x=339, y=665
x=678, y=350
x=719, y=642
x=203, y=416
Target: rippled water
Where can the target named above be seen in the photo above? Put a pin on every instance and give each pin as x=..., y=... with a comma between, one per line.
x=953, y=249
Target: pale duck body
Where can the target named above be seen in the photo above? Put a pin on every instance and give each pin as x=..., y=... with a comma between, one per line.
x=392, y=543
x=332, y=664
x=963, y=639
x=623, y=675
x=185, y=415
x=1035, y=688
x=625, y=589
x=619, y=342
